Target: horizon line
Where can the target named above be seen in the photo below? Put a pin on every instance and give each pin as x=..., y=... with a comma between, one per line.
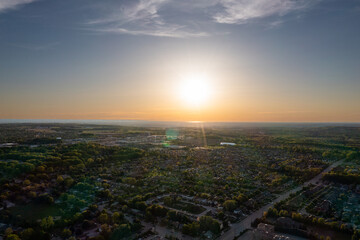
x=174, y=121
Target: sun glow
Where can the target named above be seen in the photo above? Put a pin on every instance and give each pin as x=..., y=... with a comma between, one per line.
x=195, y=89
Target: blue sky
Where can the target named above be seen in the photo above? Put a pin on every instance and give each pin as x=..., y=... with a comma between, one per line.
x=75, y=59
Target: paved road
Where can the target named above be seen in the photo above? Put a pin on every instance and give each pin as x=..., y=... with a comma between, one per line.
x=237, y=228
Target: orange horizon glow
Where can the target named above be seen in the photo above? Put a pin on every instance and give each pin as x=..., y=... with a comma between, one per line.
x=224, y=96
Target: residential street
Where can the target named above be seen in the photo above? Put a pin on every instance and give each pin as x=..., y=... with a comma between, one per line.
x=237, y=228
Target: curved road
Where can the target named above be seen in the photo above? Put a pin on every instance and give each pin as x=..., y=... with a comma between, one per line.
x=237, y=228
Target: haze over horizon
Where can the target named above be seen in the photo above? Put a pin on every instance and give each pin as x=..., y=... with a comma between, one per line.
x=167, y=60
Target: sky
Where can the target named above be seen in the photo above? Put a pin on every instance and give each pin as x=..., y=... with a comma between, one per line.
x=248, y=60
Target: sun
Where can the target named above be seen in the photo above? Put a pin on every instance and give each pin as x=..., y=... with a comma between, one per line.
x=195, y=89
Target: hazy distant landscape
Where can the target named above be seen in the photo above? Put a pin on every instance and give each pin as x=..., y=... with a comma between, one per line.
x=62, y=180
x=144, y=123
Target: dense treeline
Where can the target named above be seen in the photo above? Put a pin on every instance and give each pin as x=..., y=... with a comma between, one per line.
x=60, y=181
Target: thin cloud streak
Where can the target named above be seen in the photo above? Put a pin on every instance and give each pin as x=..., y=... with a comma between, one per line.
x=241, y=11
x=6, y=5
x=143, y=18
x=174, y=33
x=169, y=18
x=144, y=10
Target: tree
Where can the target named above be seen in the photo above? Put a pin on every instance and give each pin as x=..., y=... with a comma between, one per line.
x=117, y=217
x=168, y=201
x=105, y=194
x=230, y=205
x=8, y=231
x=124, y=208
x=32, y=194
x=27, y=182
x=93, y=207
x=103, y=218
x=90, y=160
x=12, y=237
x=105, y=231
x=27, y=167
x=66, y=233
x=192, y=229
x=157, y=210
x=241, y=198
x=68, y=182
x=140, y=205
x=272, y=212
x=40, y=169
x=129, y=180
x=121, y=232
x=47, y=223
x=59, y=179
x=283, y=213
x=46, y=198
x=321, y=221
x=208, y=223
x=27, y=234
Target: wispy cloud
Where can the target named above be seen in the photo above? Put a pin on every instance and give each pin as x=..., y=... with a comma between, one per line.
x=171, y=18
x=241, y=11
x=172, y=31
x=13, y=4
x=142, y=10
x=143, y=17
